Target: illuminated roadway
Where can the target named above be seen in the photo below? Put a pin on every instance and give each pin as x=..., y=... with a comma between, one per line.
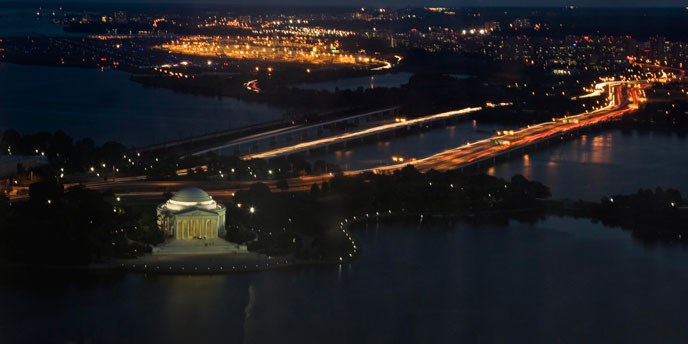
x=623, y=97
x=292, y=130
x=358, y=134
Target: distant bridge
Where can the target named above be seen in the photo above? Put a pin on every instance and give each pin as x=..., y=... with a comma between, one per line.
x=250, y=138
x=296, y=133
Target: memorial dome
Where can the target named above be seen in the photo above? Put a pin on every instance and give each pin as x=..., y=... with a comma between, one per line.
x=191, y=194
x=192, y=214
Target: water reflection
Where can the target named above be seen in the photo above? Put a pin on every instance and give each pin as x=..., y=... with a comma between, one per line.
x=432, y=283
x=605, y=163
x=414, y=145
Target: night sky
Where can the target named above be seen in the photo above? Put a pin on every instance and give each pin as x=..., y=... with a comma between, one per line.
x=415, y=3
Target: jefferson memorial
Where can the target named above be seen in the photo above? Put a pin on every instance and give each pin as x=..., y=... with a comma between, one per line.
x=192, y=214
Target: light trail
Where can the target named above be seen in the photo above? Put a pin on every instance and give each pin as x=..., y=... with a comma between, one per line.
x=474, y=152
x=252, y=85
x=386, y=65
x=467, y=154
x=357, y=134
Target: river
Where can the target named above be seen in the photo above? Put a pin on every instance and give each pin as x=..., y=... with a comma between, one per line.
x=595, y=165
x=560, y=280
x=606, y=163
x=416, y=145
x=106, y=105
x=20, y=19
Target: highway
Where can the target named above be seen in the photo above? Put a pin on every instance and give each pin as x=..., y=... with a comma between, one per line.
x=358, y=134
x=147, y=189
x=623, y=97
x=292, y=130
x=621, y=100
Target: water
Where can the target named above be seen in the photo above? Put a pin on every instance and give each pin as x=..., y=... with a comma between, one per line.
x=381, y=80
x=108, y=106
x=22, y=20
x=411, y=146
x=606, y=163
x=596, y=165
x=561, y=280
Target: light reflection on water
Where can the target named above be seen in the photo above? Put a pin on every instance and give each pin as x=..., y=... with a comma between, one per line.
x=605, y=163
x=560, y=279
x=595, y=165
x=415, y=145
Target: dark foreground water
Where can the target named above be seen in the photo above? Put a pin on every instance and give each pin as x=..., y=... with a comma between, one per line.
x=559, y=281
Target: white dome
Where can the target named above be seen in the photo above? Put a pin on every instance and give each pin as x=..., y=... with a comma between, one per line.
x=191, y=194
x=191, y=198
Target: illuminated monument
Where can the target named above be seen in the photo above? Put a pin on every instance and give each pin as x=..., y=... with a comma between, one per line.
x=192, y=214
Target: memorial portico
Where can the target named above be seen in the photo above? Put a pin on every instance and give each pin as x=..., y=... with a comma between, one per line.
x=192, y=214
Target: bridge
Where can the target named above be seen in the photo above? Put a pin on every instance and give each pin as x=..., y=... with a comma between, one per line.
x=260, y=136
x=398, y=124
x=269, y=139
x=623, y=98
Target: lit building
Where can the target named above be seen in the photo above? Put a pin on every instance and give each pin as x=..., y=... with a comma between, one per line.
x=192, y=214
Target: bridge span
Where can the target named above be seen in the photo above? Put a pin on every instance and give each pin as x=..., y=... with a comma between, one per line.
x=623, y=98
x=398, y=124
x=298, y=133
x=262, y=136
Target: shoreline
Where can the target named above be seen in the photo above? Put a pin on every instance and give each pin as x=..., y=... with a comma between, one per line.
x=229, y=263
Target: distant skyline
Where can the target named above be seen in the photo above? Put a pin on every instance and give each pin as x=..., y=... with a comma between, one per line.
x=390, y=3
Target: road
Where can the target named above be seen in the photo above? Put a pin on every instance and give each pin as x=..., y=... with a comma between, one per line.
x=358, y=134
x=622, y=97
x=218, y=189
x=294, y=129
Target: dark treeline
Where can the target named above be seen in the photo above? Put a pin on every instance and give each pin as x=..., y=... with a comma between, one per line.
x=80, y=226
x=451, y=191
x=76, y=157
x=423, y=94
x=73, y=227
x=658, y=215
x=431, y=88
x=62, y=150
x=652, y=215
x=308, y=223
x=661, y=116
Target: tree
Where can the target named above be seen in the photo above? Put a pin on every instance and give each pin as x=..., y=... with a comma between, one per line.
x=4, y=205
x=282, y=184
x=315, y=190
x=41, y=192
x=325, y=188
